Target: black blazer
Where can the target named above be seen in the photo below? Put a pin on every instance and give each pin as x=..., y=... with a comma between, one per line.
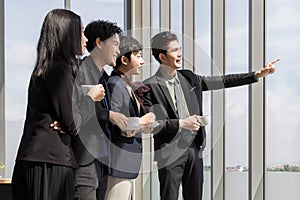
x=49, y=100
x=125, y=153
x=91, y=141
x=159, y=101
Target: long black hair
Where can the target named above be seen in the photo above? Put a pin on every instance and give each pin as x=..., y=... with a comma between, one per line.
x=59, y=42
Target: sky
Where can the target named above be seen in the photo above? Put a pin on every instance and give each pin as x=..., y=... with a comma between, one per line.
x=22, y=26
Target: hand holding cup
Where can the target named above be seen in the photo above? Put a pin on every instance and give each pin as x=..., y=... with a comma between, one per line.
x=96, y=92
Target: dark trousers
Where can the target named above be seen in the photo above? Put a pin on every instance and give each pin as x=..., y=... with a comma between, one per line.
x=188, y=170
x=91, y=182
x=42, y=181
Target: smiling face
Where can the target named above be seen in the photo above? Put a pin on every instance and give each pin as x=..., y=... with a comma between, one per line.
x=111, y=50
x=173, y=56
x=134, y=67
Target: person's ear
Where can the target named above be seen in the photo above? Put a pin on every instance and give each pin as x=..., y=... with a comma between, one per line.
x=98, y=43
x=162, y=57
x=124, y=60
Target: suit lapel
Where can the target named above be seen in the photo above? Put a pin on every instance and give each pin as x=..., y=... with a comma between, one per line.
x=93, y=69
x=189, y=93
x=133, y=108
x=97, y=76
x=185, y=89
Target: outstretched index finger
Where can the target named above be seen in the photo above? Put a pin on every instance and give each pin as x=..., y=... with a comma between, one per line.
x=275, y=61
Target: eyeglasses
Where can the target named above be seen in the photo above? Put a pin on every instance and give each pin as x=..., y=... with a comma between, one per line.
x=175, y=50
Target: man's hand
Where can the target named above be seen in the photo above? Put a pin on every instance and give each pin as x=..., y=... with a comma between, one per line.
x=97, y=92
x=268, y=69
x=118, y=119
x=190, y=123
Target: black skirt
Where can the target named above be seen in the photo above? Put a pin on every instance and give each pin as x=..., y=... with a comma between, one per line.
x=42, y=181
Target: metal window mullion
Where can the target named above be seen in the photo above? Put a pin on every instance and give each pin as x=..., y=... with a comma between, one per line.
x=165, y=15
x=127, y=14
x=67, y=4
x=147, y=162
x=2, y=85
x=256, y=101
x=188, y=34
x=136, y=18
x=217, y=100
x=146, y=30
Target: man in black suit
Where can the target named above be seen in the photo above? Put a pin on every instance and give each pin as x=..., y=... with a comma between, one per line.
x=176, y=100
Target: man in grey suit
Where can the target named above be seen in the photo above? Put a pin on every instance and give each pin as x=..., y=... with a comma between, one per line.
x=176, y=100
x=95, y=119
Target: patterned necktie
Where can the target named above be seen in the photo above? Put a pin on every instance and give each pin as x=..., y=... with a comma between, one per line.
x=180, y=102
x=183, y=112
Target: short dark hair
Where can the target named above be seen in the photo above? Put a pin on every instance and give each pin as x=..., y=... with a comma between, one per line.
x=102, y=29
x=128, y=45
x=160, y=42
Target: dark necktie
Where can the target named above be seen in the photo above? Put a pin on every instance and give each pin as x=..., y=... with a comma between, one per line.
x=105, y=101
x=105, y=104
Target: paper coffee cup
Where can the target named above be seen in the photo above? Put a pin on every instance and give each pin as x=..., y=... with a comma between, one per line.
x=204, y=120
x=86, y=88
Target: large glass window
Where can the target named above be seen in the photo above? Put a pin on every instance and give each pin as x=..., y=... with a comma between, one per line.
x=23, y=22
x=22, y=27
x=236, y=101
x=283, y=101
x=112, y=10
x=176, y=18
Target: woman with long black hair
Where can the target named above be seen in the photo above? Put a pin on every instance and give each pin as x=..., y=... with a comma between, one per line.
x=45, y=161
